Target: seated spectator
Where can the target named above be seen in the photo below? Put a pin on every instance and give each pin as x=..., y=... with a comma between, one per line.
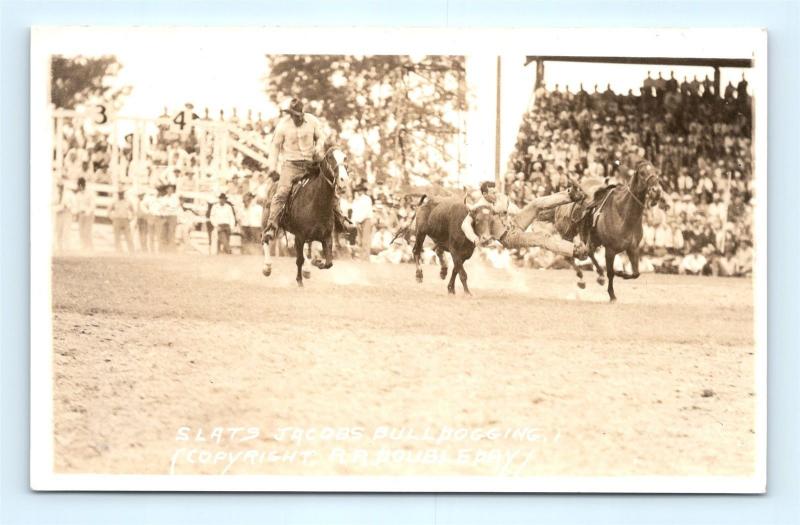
x=743, y=259
x=693, y=262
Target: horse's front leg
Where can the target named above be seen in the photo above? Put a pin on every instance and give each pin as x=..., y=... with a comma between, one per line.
x=601, y=280
x=578, y=271
x=633, y=255
x=610, y=273
x=267, y=268
x=299, y=244
x=327, y=252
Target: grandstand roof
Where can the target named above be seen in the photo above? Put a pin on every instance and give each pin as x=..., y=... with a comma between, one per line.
x=666, y=61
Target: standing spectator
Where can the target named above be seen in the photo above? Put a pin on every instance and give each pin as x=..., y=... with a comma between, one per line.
x=695, y=86
x=362, y=218
x=121, y=214
x=143, y=222
x=157, y=221
x=741, y=89
x=648, y=85
x=251, y=223
x=154, y=222
x=729, y=90
x=170, y=208
x=85, y=205
x=686, y=89
x=685, y=181
x=74, y=164
x=705, y=186
x=64, y=209
x=672, y=83
x=223, y=220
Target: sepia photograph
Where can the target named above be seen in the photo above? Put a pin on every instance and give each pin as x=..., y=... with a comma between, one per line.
x=398, y=260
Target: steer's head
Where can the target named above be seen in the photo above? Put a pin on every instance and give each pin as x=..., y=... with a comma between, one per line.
x=487, y=224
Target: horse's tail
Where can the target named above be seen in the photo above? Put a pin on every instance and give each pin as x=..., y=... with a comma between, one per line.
x=405, y=231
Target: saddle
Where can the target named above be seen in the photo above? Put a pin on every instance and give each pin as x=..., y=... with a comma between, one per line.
x=597, y=193
x=312, y=171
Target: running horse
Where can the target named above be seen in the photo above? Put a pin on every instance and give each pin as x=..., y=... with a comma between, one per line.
x=615, y=222
x=309, y=213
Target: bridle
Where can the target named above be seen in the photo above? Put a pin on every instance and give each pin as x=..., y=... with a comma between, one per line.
x=332, y=182
x=627, y=187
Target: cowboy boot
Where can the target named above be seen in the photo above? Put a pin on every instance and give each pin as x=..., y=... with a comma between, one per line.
x=340, y=222
x=576, y=194
x=580, y=251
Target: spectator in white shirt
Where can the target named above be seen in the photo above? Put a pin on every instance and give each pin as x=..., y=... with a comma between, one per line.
x=85, y=203
x=170, y=208
x=64, y=208
x=677, y=238
x=693, y=263
x=252, y=213
x=663, y=239
x=362, y=218
x=685, y=181
x=121, y=214
x=143, y=221
x=223, y=220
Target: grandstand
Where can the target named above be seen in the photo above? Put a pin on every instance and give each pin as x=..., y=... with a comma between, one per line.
x=699, y=138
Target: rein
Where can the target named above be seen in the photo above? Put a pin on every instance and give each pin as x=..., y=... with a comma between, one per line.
x=647, y=182
x=332, y=181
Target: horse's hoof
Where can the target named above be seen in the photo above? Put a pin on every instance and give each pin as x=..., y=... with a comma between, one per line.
x=443, y=273
x=612, y=300
x=306, y=274
x=601, y=281
x=582, y=285
x=451, y=291
x=419, y=276
x=267, y=270
x=318, y=263
x=300, y=284
x=326, y=266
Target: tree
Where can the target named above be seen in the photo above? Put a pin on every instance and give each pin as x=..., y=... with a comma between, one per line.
x=400, y=115
x=82, y=80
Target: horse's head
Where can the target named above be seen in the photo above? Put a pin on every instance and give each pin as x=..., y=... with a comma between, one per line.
x=646, y=183
x=333, y=166
x=486, y=224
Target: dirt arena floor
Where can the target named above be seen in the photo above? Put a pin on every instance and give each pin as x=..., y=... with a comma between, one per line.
x=365, y=371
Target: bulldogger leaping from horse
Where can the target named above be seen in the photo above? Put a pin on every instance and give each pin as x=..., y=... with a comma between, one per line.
x=515, y=235
x=611, y=216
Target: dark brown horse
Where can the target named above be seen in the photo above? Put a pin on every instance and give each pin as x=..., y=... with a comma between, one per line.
x=441, y=219
x=618, y=227
x=310, y=215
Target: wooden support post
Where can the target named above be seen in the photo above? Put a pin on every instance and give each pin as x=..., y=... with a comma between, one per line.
x=497, y=176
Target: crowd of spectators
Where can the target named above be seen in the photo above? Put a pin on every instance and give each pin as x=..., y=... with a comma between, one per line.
x=175, y=184
x=700, y=143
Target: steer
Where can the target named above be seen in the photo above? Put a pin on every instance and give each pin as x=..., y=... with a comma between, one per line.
x=441, y=219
